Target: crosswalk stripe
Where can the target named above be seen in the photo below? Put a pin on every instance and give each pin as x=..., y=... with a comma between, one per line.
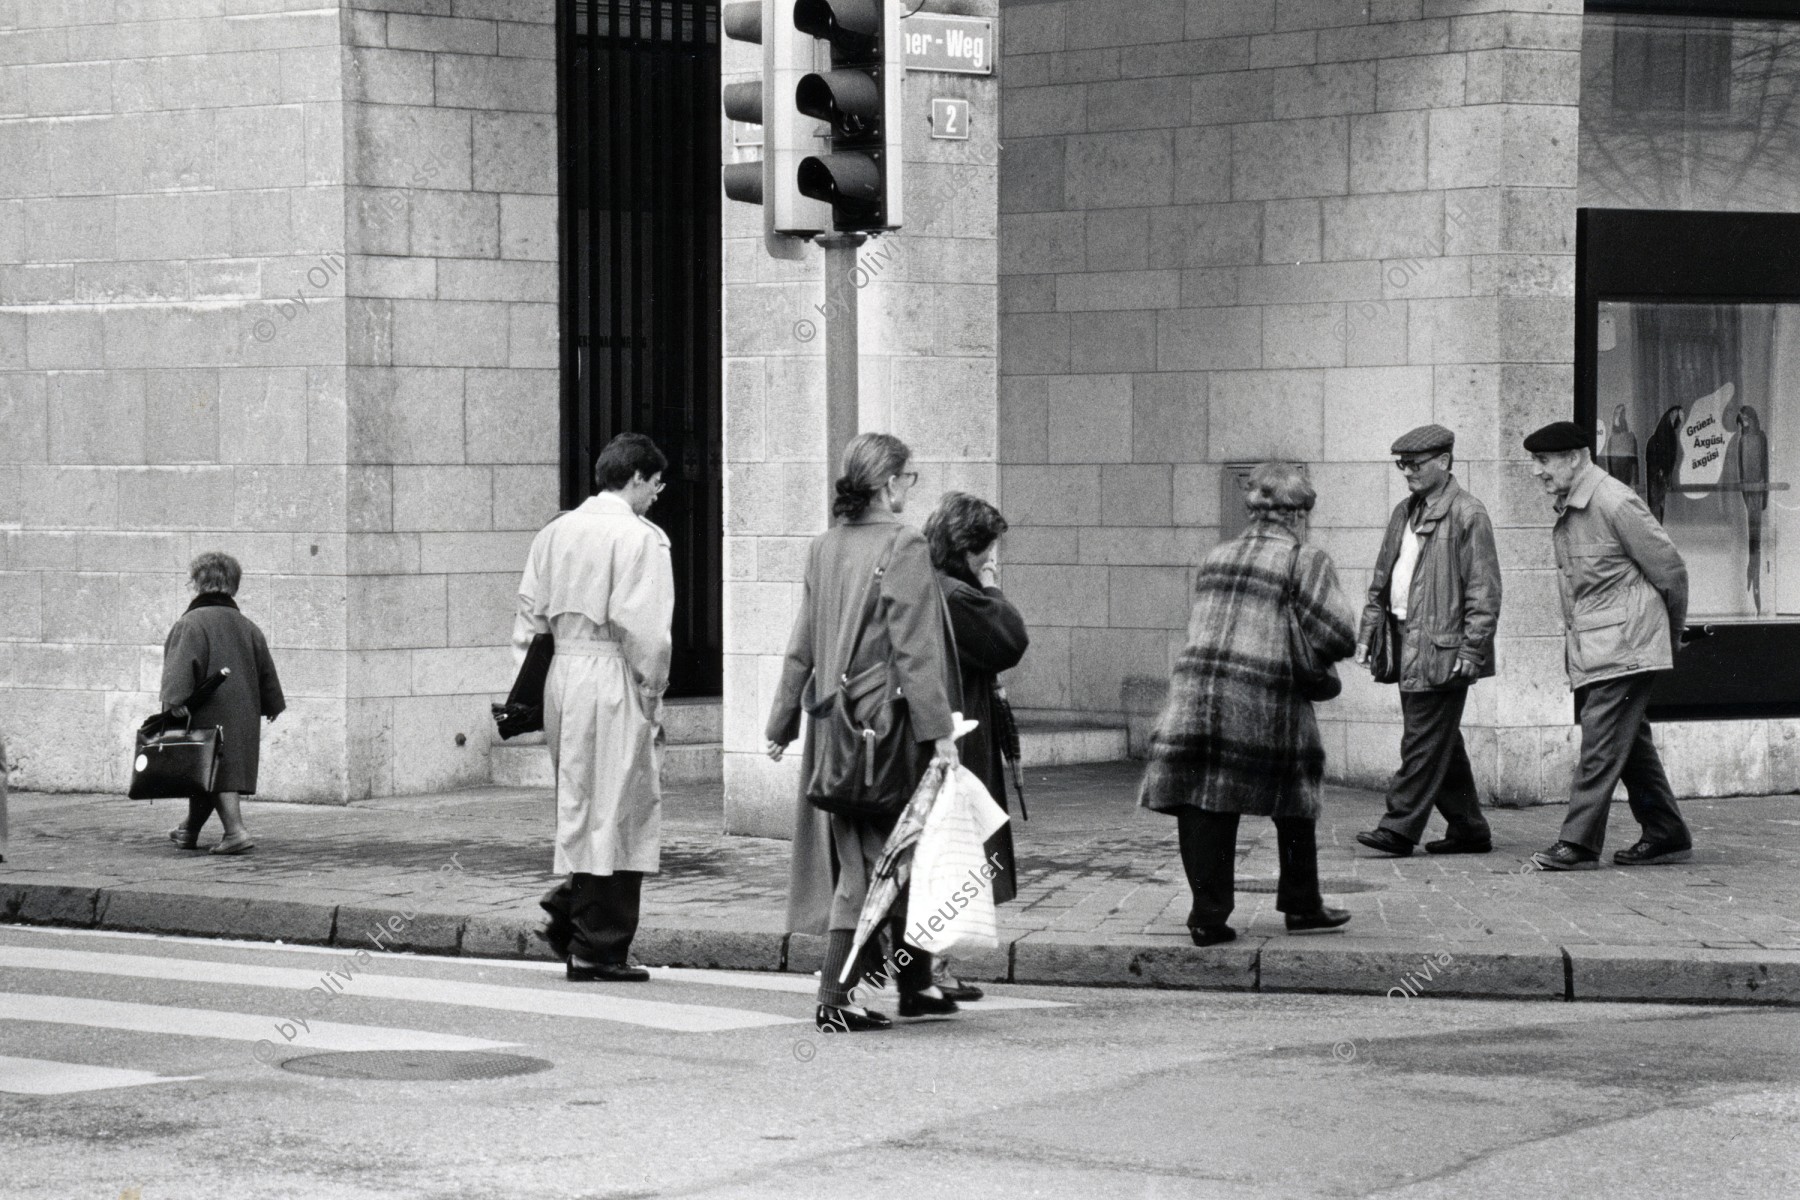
x=586, y=1004
x=809, y=985
x=228, y=1026
x=760, y=981
x=41, y=1077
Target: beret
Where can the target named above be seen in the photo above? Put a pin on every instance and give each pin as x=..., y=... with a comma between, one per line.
x=1558, y=435
x=1426, y=439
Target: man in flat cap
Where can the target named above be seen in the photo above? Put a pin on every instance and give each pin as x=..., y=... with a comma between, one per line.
x=1624, y=600
x=1438, y=575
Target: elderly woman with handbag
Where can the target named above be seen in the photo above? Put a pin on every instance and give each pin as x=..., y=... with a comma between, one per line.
x=871, y=638
x=990, y=638
x=212, y=637
x=1238, y=734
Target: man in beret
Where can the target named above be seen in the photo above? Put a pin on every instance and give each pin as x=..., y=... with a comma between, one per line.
x=1624, y=600
x=1437, y=585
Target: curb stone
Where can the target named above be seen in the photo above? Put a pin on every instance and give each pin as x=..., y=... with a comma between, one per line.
x=1684, y=974
x=212, y=911
x=1665, y=974
x=1171, y=962
x=1521, y=972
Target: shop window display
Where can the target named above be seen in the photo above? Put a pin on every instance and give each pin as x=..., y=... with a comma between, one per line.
x=1697, y=408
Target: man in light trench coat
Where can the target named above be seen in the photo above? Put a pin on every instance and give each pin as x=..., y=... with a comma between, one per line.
x=599, y=578
x=1624, y=595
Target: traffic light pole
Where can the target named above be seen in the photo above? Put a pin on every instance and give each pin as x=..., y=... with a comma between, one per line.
x=842, y=357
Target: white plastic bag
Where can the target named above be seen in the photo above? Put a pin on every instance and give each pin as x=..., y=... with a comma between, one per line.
x=952, y=898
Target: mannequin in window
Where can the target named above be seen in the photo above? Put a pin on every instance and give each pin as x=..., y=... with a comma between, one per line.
x=1620, y=457
x=1662, y=460
x=1751, y=450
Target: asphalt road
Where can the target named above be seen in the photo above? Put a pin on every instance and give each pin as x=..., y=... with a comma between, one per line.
x=152, y=1068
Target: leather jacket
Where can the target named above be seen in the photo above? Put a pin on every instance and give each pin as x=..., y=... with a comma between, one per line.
x=1624, y=586
x=1453, y=606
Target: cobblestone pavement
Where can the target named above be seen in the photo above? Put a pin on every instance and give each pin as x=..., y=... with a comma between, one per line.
x=1092, y=866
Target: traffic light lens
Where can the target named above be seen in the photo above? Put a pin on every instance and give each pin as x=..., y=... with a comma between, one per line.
x=841, y=178
x=852, y=26
x=850, y=100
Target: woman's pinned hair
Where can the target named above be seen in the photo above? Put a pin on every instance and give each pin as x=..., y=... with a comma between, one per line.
x=870, y=460
x=1277, y=488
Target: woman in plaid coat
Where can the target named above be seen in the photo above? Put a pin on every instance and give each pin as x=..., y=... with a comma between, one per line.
x=1236, y=735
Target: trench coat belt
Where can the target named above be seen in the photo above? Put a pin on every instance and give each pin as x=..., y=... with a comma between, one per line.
x=589, y=647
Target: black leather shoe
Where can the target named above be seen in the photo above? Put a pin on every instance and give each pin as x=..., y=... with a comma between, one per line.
x=842, y=1020
x=1566, y=856
x=1324, y=919
x=918, y=1004
x=1451, y=845
x=1211, y=935
x=606, y=973
x=1386, y=841
x=962, y=993
x=1647, y=853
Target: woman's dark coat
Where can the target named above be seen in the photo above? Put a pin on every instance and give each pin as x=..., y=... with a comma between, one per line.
x=832, y=855
x=990, y=638
x=214, y=634
x=1236, y=735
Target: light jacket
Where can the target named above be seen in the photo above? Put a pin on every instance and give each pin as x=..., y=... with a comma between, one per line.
x=1624, y=587
x=1453, y=606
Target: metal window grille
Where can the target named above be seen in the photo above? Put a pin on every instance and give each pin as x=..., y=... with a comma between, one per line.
x=640, y=206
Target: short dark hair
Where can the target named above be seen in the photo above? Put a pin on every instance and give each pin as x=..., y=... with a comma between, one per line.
x=627, y=455
x=216, y=571
x=961, y=525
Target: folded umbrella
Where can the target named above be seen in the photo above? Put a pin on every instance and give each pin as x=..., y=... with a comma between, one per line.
x=1006, y=728
x=894, y=866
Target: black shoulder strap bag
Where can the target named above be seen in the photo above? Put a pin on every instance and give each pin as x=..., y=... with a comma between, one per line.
x=865, y=760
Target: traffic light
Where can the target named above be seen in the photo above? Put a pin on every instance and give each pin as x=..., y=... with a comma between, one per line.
x=859, y=98
x=788, y=137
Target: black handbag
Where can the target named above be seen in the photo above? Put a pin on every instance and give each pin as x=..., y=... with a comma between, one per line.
x=1384, y=649
x=865, y=760
x=171, y=763
x=523, y=711
x=1316, y=680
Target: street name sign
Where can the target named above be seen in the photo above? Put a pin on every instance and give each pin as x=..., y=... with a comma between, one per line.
x=953, y=45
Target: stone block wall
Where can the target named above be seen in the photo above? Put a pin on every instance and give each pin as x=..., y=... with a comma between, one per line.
x=276, y=277
x=1300, y=230
x=452, y=369
x=929, y=340
x=171, y=365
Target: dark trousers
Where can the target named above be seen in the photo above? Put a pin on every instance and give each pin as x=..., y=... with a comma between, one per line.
x=907, y=965
x=1434, y=770
x=596, y=916
x=1615, y=746
x=1209, y=855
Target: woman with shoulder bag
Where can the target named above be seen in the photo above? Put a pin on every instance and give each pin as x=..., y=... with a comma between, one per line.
x=1238, y=733
x=213, y=635
x=871, y=598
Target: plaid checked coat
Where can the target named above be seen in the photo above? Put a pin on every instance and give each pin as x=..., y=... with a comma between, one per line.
x=1235, y=735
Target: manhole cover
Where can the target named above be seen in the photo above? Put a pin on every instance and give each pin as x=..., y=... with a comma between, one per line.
x=1331, y=887
x=415, y=1064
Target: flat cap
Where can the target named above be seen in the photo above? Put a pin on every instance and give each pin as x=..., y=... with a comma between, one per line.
x=1426, y=439
x=1558, y=435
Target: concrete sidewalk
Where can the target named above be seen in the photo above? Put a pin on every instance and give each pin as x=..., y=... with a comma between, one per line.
x=1102, y=896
